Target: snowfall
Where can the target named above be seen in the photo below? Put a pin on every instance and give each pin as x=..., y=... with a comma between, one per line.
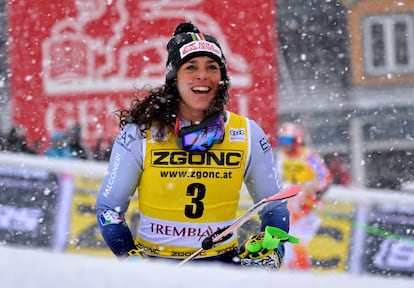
x=21, y=268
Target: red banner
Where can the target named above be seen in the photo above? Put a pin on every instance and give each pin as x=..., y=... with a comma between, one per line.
x=79, y=61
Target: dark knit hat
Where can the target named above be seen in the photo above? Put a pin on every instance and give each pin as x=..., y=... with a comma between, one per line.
x=188, y=42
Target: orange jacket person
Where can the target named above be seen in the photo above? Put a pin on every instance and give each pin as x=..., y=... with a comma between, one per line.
x=298, y=164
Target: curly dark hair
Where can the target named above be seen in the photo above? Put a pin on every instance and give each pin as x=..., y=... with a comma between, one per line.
x=159, y=107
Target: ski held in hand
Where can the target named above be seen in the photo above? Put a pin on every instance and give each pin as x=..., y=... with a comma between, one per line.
x=226, y=232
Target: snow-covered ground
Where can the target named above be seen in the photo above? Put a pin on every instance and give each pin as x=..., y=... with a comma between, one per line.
x=21, y=268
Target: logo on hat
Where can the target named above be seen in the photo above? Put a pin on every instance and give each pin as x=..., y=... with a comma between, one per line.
x=200, y=46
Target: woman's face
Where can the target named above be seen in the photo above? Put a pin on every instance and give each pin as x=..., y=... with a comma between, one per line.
x=197, y=82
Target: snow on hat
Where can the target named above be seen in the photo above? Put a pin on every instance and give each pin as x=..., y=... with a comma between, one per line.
x=188, y=42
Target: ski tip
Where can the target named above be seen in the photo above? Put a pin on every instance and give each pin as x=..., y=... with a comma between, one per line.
x=295, y=189
x=292, y=191
x=288, y=192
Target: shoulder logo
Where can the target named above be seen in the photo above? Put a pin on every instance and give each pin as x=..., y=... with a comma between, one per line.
x=237, y=135
x=125, y=138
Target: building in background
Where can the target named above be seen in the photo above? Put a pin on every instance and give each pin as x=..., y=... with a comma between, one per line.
x=347, y=74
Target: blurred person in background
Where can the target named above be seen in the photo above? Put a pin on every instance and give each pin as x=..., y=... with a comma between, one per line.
x=103, y=148
x=3, y=142
x=339, y=169
x=299, y=164
x=78, y=148
x=59, y=146
x=182, y=128
x=16, y=141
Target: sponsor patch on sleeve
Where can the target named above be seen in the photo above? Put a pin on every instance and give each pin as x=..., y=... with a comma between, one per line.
x=108, y=217
x=264, y=144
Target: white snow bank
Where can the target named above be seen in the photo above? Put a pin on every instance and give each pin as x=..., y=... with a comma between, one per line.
x=22, y=268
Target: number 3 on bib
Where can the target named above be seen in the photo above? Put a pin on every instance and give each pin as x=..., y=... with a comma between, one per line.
x=197, y=192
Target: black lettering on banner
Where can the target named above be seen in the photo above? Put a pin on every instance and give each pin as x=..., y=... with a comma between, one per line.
x=180, y=254
x=197, y=191
x=334, y=259
x=28, y=206
x=177, y=158
x=216, y=159
x=149, y=250
x=180, y=158
x=389, y=236
x=233, y=159
x=196, y=159
x=159, y=158
x=197, y=174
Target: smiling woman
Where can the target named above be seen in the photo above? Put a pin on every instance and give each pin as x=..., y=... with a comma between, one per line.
x=187, y=157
